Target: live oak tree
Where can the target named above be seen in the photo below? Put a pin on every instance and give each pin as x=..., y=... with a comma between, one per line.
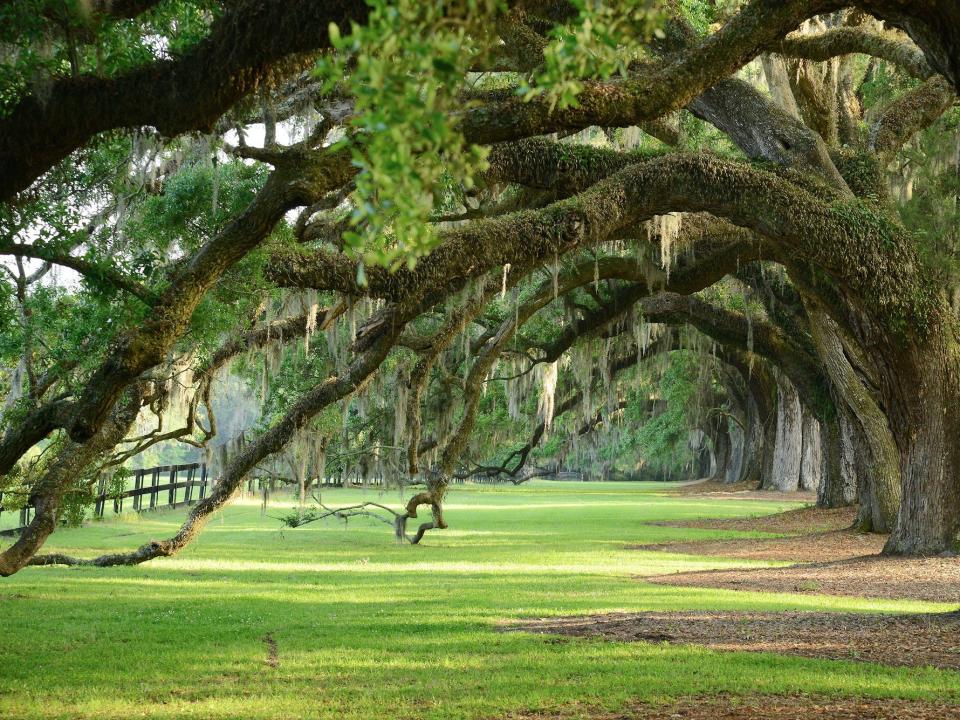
x=465, y=195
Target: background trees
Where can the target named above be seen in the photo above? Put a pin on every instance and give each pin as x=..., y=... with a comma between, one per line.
x=462, y=239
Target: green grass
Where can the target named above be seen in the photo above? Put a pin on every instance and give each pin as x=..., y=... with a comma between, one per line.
x=367, y=628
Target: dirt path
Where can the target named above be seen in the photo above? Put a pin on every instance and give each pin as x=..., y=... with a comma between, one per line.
x=740, y=491
x=919, y=640
x=832, y=559
x=839, y=544
x=801, y=521
x=816, y=539
x=935, y=579
x=762, y=707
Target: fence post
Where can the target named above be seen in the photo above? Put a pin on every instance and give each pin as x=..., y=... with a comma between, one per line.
x=101, y=491
x=172, y=494
x=154, y=481
x=137, y=485
x=188, y=491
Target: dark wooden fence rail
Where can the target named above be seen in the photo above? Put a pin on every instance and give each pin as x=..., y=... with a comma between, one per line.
x=160, y=485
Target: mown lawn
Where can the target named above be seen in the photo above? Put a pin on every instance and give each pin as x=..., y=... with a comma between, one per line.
x=366, y=628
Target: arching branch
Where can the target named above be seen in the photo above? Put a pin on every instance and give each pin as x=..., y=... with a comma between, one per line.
x=757, y=335
x=243, y=46
x=909, y=114
x=367, y=360
x=831, y=43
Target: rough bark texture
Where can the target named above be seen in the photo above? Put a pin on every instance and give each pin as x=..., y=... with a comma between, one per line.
x=788, y=451
x=922, y=393
x=67, y=471
x=812, y=458
x=879, y=486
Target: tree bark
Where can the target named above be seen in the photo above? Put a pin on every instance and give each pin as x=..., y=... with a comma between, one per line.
x=788, y=448
x=923, y=396
x=879, y=488
x=811, y=464
x=838, y=487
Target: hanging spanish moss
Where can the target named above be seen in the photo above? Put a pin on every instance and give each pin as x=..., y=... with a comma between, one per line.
x=555, y=274
x=548, y=389
x=518, y=388
x=666, y=228
x=313, y=307
x=400, y=407
x=15, y=392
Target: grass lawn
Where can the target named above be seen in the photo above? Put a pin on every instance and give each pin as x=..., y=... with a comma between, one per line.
x=366, y=628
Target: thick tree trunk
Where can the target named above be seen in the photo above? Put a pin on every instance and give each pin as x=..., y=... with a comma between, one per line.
x=761, y=426
x=735, y=465
x=719, y=436
x=738, y=427
x=923, y=393
x=838, y=487
x=65, y=472
x=879, y=487
x=812, y=457
x=788, y=449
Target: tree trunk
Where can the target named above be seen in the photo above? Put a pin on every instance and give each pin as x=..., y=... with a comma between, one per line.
x=788, y=448
x=879, y=487
x=735, y=466
x=923, y=394
x=720, y=439
x=838, y=487
x=760, y=424
x=811, y=464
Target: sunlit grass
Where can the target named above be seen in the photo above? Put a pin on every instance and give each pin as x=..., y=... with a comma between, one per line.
x=367, y=628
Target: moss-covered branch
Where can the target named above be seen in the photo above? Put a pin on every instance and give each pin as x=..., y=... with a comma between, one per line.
x=909, y=114
x=834, y=42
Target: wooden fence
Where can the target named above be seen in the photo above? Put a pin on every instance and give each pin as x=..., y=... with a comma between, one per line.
x=165, y=486
x=172, y=486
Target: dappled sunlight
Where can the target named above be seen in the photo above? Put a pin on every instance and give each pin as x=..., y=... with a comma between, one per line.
x=364, y=566
x=362, y=623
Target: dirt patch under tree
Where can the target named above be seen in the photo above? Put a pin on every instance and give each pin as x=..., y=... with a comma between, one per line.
x=935, y=579
x=919, y=640
x=821, y=547
x=800, y=521
x=761, y=707
x=740, y=491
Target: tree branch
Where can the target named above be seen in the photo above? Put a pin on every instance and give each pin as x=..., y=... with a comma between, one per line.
x=909, y=114
x=243, y=46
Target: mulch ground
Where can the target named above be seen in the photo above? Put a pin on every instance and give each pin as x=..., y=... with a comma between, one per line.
x=814, y=535
x=800, y=521
x=936, y=579
x=822, y=547
x=763, y=707
x=741, y=491
x=913, y=640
